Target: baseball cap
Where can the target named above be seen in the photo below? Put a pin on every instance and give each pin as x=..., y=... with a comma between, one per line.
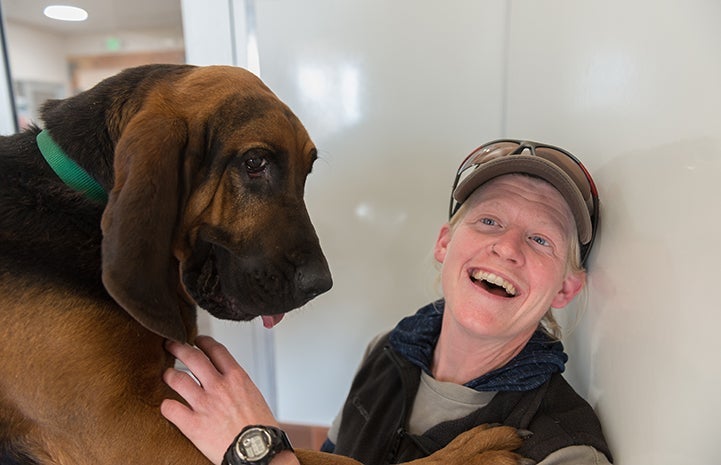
x=553, y=164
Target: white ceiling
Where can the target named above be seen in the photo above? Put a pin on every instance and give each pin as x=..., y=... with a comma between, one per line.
x=103, y=15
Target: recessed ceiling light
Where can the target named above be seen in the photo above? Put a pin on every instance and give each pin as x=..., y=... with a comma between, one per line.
x=65, y=13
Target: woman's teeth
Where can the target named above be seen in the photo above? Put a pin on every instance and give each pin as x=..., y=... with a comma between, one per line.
x=496, y=281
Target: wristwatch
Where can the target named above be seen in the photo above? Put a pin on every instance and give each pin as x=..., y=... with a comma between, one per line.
x=256, y=445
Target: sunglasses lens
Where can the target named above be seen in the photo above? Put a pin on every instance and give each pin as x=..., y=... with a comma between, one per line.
x=571, y=166
x=483, y=155
x=487, y=153
x=567, y=162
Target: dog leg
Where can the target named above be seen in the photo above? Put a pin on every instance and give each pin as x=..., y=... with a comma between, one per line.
x=482, y=445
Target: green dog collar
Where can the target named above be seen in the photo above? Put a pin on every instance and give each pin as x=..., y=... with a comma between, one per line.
x=67, y=170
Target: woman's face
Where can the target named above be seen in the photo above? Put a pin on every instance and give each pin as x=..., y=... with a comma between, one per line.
x=504, y=264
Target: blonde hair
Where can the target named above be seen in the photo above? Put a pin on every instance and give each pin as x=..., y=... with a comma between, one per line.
x=573, y=266
x=549, y=325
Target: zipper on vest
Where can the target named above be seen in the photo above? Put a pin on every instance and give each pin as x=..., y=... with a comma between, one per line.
x=397, y=438
x=407, y=397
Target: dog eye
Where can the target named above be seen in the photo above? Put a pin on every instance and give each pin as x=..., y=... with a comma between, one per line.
x=255, y=165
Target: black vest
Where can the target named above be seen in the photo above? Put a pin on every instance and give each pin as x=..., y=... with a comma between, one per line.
x=377, y=408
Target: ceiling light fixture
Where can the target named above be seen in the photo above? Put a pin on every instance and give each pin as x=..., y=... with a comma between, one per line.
x=65, y=13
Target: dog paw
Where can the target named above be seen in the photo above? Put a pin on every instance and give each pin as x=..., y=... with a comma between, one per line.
x=312, y=457
x=482, y=445
x=524, y=433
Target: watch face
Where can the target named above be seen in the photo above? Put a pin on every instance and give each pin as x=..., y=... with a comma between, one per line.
x=254, y=444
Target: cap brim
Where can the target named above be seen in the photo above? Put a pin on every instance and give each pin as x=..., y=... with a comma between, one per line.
x=534, y=166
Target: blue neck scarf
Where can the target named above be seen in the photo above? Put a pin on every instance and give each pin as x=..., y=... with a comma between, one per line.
x=415, y=339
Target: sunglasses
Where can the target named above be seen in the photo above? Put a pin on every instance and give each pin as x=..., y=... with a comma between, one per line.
x=557, y=156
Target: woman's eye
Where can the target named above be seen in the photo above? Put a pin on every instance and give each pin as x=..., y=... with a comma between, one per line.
x=488, y=221
x=255, y=165
x=539, y=240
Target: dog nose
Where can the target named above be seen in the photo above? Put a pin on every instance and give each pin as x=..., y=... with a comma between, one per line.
x=312, y=276
x=316, y=286
x=313, y=281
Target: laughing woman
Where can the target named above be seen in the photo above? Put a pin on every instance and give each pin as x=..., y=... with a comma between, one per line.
x=522, y=220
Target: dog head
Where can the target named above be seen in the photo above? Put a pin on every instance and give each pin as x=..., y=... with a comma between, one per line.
x=207, y=202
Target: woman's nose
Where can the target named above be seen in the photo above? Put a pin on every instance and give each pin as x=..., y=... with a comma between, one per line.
x=509, y=247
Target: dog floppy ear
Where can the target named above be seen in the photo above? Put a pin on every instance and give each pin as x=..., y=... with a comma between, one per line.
x=139, y=269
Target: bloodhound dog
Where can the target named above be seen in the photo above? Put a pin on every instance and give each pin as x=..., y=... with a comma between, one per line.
x=162, y=189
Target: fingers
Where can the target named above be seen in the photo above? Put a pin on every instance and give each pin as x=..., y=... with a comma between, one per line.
x=218, y=354
x=176, y=413
x=223, y=385
x=183, y=384
x=209, y=360
x=196, y=361
x=220, y=404
x=211, y=443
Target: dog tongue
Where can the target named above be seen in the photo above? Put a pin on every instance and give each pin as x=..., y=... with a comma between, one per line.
x=271, y=320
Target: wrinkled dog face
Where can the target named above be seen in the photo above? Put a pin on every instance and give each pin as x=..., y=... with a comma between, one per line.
x=250, y=248
x=207, y=200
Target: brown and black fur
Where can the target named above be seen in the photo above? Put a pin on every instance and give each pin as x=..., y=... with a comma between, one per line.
x=205, y=171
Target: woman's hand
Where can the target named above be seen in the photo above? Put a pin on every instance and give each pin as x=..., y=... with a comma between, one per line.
x=225, y=401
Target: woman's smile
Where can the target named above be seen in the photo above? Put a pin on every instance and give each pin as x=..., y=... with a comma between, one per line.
x=493, y=283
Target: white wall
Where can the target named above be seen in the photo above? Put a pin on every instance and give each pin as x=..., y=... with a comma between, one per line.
x=396, y=93
x=634, y=88
x=7, y=123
